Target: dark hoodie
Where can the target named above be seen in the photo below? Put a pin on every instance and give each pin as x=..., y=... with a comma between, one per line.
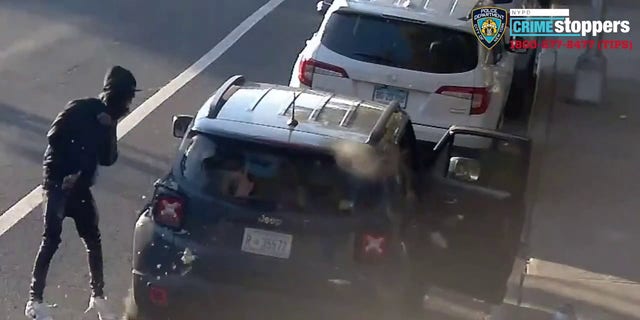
x=78, y=142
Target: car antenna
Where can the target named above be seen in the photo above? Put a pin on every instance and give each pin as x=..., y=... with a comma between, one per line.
x=292, y=123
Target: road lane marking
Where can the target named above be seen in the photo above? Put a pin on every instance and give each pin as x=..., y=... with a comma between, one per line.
x=22, y=208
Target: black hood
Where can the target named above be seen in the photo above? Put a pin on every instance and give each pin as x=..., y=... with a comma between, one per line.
x=120, y=80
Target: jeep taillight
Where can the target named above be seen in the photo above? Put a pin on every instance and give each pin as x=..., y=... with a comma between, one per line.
x=158, y=296
x=169, y=211
x=479, y=97
x=309, y=67
x=371, y=247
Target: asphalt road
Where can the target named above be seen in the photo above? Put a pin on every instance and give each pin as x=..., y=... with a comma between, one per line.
x=54, y=51
x=51, y=52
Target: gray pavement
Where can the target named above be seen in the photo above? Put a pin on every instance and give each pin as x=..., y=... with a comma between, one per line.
x=51, y=52
x=585, y=206
x=55, y=51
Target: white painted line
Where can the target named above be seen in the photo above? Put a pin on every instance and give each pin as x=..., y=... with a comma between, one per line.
x=22, y=208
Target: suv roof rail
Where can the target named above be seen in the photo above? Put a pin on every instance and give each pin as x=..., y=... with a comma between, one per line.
x=488, y=133
x=479, y=3
x=378, y=129
x=219, y=98
x=406, y=4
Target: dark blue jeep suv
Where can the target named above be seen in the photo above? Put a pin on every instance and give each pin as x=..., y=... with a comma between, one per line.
x=291, y=203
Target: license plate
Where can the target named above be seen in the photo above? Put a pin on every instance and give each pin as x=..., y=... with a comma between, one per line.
x=387, y=94
x=267, y=243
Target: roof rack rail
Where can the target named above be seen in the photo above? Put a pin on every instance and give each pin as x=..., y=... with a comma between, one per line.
x=348, y=116
x=219, y=98
x=378, y=129
x=479, y=3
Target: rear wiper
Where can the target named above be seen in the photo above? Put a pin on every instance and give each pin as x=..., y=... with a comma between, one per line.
x=374, y=57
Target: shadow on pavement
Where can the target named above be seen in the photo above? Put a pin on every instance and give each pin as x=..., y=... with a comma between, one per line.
x=592, y=303
x=125, y=159
x=544, y=304
x=29, y=126
x=599, y=202
x=11, y=116
x=581, y=203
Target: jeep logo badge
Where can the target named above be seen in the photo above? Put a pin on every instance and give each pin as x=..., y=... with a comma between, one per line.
x=269, y=220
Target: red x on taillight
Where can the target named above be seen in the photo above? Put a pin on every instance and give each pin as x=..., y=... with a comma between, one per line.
x=373, y=245
x=169, y=211
x=158, y=296
x=370, y=247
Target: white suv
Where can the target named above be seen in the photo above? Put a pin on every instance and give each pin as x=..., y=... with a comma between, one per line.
x=429, y=61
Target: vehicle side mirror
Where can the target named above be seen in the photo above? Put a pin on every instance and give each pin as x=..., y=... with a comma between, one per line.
x=180, y=125
x=463, y=169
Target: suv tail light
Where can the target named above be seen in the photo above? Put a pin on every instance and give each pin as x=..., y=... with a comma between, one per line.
x=479, y=97
x=169, y=211
x=158, y=296
x=371, y=247
x=309, y=67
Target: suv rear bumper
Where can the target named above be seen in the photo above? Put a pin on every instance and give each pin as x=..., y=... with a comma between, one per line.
x=216, y=281
x=194, y=298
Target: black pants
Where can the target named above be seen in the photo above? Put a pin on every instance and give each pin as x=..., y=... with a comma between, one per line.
x=79, y=205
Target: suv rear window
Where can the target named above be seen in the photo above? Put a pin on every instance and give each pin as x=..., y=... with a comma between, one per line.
x=407, y=45
x=271, y=176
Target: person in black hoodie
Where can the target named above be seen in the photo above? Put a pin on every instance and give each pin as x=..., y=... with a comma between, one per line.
x=81, y=137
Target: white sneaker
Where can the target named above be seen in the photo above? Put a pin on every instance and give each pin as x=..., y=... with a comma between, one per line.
x=37, y=310
x=100, y=305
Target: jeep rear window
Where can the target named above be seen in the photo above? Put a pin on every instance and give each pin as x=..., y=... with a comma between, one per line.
x=287, y=178
x=401, y=44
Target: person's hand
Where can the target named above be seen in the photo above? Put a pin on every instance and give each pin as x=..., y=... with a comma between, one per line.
x=105, y=119
x=245, y=186
x=69, y=181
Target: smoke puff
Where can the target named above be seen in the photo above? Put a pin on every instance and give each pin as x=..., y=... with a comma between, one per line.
x=364, y=161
